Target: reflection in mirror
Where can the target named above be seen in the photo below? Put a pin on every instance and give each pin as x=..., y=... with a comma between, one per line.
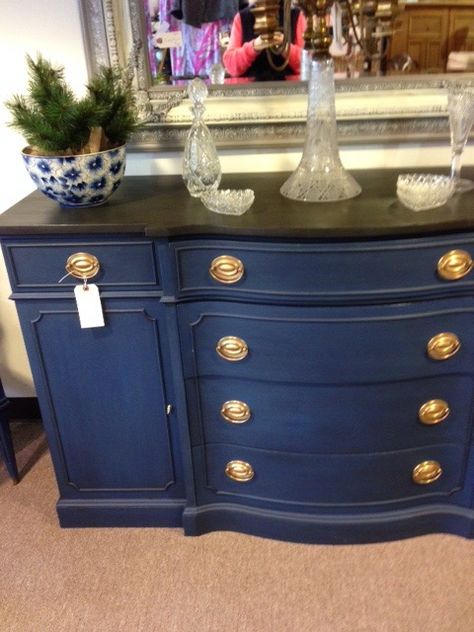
x=180, y=46
x=409, y=103
x=371, y=37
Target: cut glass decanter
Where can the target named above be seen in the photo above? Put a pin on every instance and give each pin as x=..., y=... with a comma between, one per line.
x=201, y=166
x=320, y=176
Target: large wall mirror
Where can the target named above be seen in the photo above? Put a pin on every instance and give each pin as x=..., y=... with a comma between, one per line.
x=399, y=96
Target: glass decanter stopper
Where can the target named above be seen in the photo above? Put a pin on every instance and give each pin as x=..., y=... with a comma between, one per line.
x=201, y=166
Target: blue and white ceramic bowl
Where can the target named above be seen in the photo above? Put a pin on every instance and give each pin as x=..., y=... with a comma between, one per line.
x=76, y=181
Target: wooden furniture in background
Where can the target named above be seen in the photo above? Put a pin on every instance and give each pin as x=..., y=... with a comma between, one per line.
x=429, y=31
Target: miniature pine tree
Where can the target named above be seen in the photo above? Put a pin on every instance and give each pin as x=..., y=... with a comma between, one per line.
x=54, y=122
x=111, y=90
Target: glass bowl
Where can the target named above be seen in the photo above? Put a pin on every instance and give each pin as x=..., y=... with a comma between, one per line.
x=228, y=201
x=421, y=191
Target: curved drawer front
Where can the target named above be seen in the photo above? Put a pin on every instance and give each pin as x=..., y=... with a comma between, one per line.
x=322, y=271
x=318, y=345
x=41, y=265
x=329, y=419
x=332, y=479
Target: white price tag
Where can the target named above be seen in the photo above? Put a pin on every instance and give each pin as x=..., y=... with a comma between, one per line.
x=89, y=306
x=172, y=39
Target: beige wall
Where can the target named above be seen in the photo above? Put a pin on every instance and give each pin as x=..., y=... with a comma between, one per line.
x=53, y=28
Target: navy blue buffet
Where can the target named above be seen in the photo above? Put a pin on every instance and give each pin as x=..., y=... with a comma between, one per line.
x=304, y=372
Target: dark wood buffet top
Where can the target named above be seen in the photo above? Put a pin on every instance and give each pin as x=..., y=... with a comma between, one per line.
x=160, y=206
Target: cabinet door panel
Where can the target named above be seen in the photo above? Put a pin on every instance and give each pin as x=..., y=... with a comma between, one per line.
x=103, y=396
x=422, y=32
x=461, y=29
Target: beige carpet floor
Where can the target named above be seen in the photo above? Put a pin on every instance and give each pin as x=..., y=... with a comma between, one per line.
x=147, y=580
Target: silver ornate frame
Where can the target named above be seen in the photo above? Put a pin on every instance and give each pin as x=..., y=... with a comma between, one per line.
x=371, y=110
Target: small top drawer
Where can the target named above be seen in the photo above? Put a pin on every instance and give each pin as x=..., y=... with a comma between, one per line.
x=324, y=271
x=40, y=265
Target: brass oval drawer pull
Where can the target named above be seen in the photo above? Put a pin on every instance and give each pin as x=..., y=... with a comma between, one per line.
x=232, y=348
x=426, y=472
x=226, y=269
x=443, y=346
x=235, y=412
x=433, y=412
x=239, y=471
x=82, y=265
x=455, y=265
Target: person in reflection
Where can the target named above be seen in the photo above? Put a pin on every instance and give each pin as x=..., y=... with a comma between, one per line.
x=246, y=55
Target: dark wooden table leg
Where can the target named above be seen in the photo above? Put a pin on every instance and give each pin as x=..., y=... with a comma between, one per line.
x=6, y=445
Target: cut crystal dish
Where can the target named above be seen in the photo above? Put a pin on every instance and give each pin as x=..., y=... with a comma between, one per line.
x=421, y=191
x=228, y=201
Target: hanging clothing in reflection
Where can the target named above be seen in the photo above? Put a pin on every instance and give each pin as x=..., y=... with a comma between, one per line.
x=200, y=12
x=201, y=46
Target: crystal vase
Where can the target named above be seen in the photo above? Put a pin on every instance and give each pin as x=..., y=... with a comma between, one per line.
x=320, y=176
x=461, y=118
x=201, y=166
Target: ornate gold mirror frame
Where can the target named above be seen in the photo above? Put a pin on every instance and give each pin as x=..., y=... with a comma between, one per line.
x=410, y=108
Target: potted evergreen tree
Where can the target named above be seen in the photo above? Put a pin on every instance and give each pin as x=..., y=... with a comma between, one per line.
x=76, y=147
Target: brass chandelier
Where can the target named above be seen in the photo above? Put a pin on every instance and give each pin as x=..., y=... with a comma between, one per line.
x=366, y=22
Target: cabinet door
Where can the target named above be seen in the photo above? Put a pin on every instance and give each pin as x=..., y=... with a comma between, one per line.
x=422, y=34
x=461, y=29
x=103, y=397
x=427, y=34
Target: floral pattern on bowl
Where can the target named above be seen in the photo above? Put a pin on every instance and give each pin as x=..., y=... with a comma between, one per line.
x=77, y=181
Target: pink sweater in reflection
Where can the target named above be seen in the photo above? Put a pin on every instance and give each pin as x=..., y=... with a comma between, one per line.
x=239, y=55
